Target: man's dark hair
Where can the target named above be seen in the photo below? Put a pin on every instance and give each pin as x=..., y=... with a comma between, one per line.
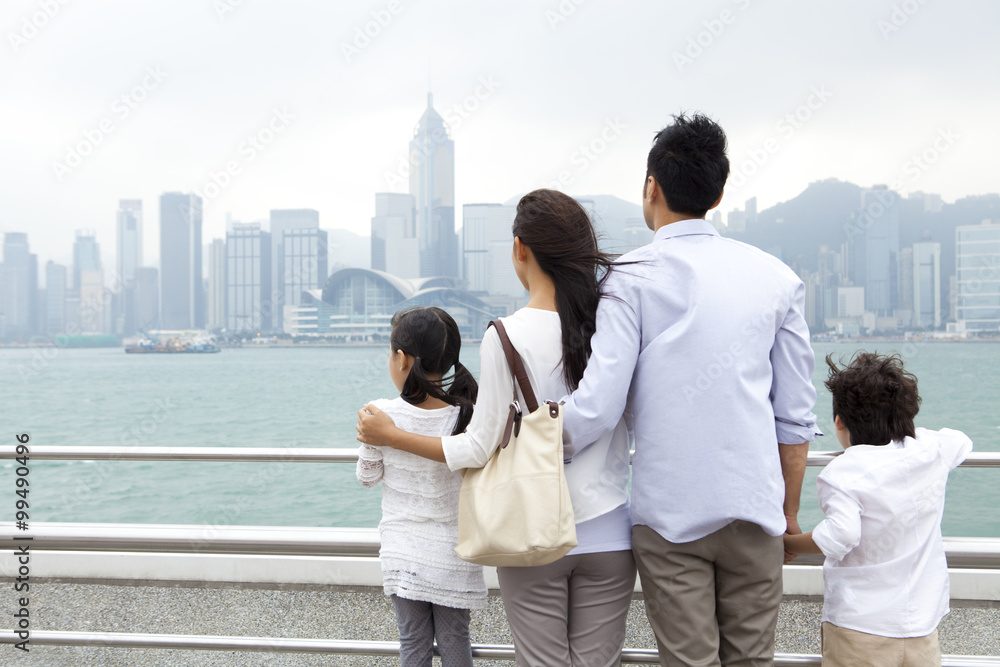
x=688, y=160
x=875, y=398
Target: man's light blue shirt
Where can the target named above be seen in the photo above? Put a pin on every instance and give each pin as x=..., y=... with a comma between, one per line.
x=701, y=342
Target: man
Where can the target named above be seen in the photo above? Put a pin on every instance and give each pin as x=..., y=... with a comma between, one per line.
x=702, y=340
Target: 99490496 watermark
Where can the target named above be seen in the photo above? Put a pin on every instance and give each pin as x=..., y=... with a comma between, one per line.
x=22, y=551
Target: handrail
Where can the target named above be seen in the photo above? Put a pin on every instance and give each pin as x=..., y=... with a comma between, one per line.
x=368, y=648
x=168, y=538
x=297, y=454
x=962, y=552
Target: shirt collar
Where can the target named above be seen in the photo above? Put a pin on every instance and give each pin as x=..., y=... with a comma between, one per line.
x=686, y=228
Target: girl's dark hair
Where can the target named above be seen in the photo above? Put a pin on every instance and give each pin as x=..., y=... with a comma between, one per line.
x=875, y=398
x=558, y=230
x=431, y=336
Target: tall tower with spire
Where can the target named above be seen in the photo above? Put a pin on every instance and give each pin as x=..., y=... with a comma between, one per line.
x=432, y=184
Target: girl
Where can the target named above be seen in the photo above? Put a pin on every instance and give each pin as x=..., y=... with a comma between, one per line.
x=431, y=588
x=572, y=611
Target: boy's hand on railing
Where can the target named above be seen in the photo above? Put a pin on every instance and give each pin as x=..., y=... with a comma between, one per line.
x=374, y=426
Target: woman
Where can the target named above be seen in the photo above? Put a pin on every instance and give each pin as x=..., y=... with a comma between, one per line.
x=572, y=611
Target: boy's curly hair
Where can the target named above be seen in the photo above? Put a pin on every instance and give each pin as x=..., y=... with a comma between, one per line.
x=875, y=398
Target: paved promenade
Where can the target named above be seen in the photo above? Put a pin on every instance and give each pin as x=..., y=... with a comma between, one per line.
x=343, y=613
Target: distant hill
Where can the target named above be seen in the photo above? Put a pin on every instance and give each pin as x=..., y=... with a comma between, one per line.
x=795, y=230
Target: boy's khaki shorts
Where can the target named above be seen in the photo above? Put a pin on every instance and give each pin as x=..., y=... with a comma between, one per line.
x=850, y=648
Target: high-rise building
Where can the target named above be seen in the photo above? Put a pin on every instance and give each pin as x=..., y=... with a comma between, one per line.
x=92, y=303
x=398, y=211
x=182, y=300
x=86, y=255
x=402, y=252
x=304, y=263
x=129, y=259
x=432, y=184
x=249, y=302
x=216, y=317
x=977, y=249
x=850, y=301
x=737, y=221
x=927, y=284
x=751, y=211
x=905, y=273
x=875, y=253
x=283, y=220
x=486, y=242
x=73, y=311
x=55, y=298
x=129, y=240
x=147, y=298
x=20, y=287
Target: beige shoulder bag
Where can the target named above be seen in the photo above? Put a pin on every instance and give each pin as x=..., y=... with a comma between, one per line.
x=516, y=510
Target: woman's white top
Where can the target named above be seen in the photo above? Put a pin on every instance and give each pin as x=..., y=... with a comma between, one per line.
x=597, y=477
x=419, y=526
x=885, y=571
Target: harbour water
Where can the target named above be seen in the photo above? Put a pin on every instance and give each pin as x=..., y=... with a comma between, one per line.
x=309, y=398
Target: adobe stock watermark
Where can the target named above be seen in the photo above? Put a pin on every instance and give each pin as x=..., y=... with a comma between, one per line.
x=460, y=111
x=365, y=34
x=123, y=107
x=920, y=162
x=899, y=16
x=911, y=171
x=247, y=152
x=704, y=39
x=764, y=323
x=90, y=311
x=32, y=24
x=786, y=128
x=135, y=435
x=562, y=12
x=225, y=7
x=588, y=152
x=454, y=117
x=254, y=487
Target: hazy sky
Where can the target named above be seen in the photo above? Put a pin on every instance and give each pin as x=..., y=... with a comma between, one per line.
x=161, y=95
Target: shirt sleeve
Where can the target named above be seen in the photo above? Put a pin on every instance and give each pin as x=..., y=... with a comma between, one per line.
x=599, y=401
x=474, y=448
x=792, y=393
x=840, y=531
x=370, y=468
x=959, y=446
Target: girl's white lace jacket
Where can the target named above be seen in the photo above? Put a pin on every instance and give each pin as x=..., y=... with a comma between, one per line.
x=419, y=527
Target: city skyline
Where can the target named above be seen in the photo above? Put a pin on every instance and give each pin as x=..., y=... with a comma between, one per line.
x=321, y=120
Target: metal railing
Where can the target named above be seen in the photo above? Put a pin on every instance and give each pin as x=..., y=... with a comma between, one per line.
x=975, y=553
x=299, y=454
x=962, y=552
x=631, y=656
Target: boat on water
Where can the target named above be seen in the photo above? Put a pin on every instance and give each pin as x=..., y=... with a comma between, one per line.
x=173, y=342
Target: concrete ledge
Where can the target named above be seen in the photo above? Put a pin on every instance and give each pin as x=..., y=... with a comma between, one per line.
x=324, y=571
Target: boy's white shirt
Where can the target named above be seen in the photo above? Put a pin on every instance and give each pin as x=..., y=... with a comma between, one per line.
x=886, y=572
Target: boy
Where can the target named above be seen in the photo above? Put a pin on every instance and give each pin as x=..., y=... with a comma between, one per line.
x=885, y=576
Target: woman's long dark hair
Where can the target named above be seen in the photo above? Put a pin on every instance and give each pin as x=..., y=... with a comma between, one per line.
x=558, y=230
x=431, y=336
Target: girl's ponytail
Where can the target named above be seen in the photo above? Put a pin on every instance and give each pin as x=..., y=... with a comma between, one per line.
x=464, y=390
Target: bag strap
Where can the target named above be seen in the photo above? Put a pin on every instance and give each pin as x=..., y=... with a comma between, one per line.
x=517, y=371
x=520, y=378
